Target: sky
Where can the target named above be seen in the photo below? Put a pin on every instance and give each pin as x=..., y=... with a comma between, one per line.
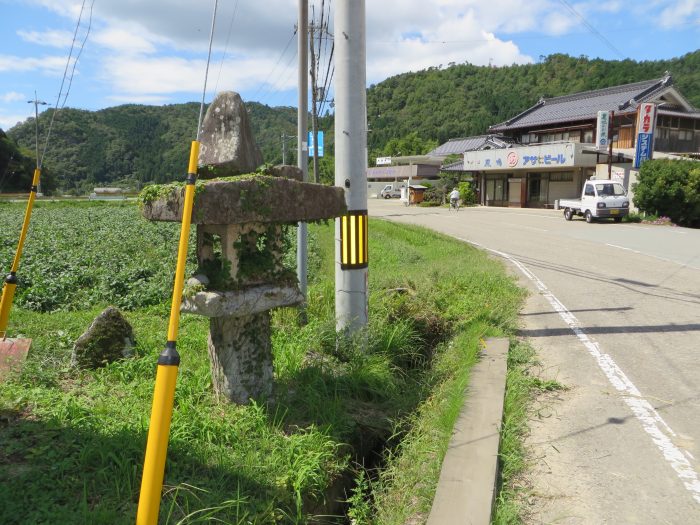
x=154, y=51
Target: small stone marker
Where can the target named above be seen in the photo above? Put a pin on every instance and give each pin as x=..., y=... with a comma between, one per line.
x=240, y=248
x=227, y=140
x=108, y=339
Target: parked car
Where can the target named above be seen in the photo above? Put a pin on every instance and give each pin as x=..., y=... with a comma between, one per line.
x=599, y=199
x=389, y=191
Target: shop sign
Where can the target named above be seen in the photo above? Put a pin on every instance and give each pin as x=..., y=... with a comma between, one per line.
x=646, y=122
x=602, y=130
x=644, y=147
x=646, y=119
x=545, y=156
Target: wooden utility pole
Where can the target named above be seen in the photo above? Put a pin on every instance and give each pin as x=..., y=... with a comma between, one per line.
x=314, y=100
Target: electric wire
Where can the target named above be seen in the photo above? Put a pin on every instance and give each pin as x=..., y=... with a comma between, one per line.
x=206, y=72
x=228, y=38
x=77, y=57
x=274, y=89
x=279, y=59
x=63, y=81
x=592, y=29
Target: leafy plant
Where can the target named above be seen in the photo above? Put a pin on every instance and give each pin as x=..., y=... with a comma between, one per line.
x=670, y=188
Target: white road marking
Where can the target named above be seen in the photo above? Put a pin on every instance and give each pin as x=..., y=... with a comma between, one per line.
x=653, y=256
x=652, y=423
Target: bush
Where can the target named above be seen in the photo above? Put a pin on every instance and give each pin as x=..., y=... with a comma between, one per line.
x=435, y=195
x=670, y=188
x=467, y=193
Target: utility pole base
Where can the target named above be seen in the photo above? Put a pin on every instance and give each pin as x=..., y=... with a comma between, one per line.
x=13, y=352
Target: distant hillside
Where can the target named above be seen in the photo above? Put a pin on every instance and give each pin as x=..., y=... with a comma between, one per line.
x=132, y=144
x=463, y=100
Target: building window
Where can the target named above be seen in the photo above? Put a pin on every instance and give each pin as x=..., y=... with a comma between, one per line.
x=685, y=134
x=588, y=136
x=563, y=176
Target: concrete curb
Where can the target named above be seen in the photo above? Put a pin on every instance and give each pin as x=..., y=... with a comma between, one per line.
x=467, y=485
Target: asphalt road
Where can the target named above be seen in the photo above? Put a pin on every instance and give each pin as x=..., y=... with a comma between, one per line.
x=614, y=313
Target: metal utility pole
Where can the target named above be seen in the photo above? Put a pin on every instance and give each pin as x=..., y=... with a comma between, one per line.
x=351, y=259
x=302, y=125
x=37, y=103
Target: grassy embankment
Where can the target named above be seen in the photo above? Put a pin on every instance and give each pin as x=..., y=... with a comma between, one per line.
x=72, y=442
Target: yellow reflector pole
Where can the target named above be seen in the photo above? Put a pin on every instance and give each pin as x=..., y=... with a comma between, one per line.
x=8, y=289
x=166, y=375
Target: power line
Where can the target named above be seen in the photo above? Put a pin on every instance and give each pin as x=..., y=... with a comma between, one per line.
x=280, y=81
x=206, y=72
x=592, y=29
x=65, y=75
x=264, y=83
x=228, y=38
x=77, y=57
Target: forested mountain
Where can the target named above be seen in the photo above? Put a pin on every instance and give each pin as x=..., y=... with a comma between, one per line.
x=132, y=145
x=462, y=100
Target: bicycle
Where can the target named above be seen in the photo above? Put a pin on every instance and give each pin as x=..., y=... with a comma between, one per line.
x=454, y=204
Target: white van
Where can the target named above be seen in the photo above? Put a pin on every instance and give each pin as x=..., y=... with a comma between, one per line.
x=390, y=191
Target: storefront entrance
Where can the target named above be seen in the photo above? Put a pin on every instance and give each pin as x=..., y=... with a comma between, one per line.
x=496, y=190
x=537, y=190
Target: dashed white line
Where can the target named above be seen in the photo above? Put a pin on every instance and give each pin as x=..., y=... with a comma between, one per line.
x=652, y=423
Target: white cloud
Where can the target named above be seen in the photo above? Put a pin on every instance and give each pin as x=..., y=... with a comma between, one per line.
x=7, y=120
x=149, y=51
x=51, y=38
x=124, y=40
x=52, y=65
x=12, y=96
x=154, y=77
x=680, y=12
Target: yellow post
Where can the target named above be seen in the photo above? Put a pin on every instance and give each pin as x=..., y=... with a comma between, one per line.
x=166, y=375
x=8, y=289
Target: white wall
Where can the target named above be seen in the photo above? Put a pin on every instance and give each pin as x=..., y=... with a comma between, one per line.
x=563, y=190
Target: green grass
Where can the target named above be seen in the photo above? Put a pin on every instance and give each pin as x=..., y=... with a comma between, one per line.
x=72, y=442
x=521, y=387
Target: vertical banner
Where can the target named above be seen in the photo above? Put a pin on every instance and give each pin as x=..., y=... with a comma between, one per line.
x=646, y=123
x=319, y=135
x=602, y=128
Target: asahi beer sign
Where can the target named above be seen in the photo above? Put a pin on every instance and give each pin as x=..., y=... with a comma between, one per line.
x=602, y=138
x=546, y=156
x=646, y=122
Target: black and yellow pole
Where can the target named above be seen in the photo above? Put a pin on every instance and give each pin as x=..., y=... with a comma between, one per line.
x=166, y=375
x=8, y=289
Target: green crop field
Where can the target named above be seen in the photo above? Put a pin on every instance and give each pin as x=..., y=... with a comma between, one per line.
x=355, y=429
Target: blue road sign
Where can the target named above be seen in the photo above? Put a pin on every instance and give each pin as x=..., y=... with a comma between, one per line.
x=320, y=143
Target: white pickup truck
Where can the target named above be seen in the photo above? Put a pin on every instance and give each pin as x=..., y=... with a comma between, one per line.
x=599, y=199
